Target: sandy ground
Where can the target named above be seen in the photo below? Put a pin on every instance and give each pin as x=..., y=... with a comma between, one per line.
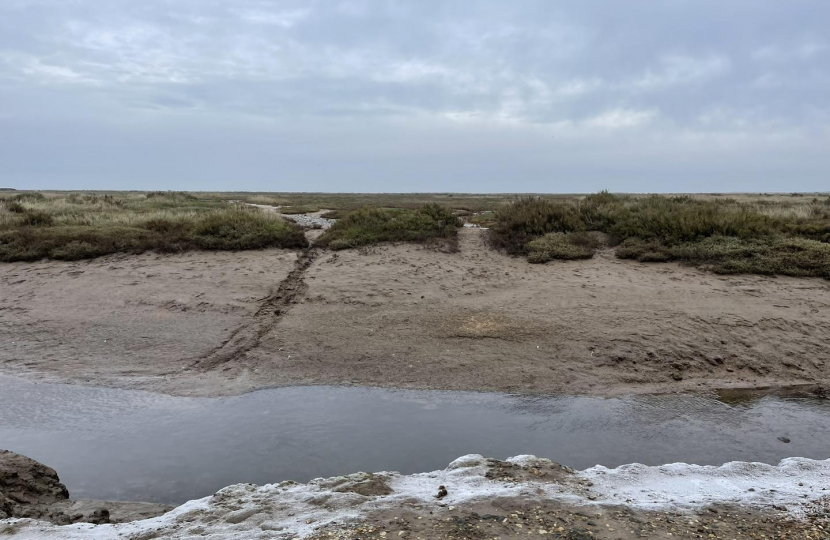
x=129, y=320
x=408, y=316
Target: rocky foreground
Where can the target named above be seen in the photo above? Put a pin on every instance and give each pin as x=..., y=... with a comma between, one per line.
x=476, y=497
x=29, y=489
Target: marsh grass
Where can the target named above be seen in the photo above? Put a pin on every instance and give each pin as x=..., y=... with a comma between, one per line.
x=78, y=226
x=729, y=255
x=562, y=246
x=759, y=233
x=429, y=223
x=725, y=234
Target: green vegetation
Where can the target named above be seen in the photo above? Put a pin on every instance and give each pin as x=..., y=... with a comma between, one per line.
x=335, y=214
x=373, y=225
x=564, y=246
x=356, y=201
x=78, y=226
x=729, y=255
x=763, y=233
x=726, y=235
x=483, y=219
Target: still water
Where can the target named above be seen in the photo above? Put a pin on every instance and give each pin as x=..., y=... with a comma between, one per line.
x=129, y=445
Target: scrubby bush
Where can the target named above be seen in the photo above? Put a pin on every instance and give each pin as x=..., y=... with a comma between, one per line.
x=14, y=207
x=564, y=246
x=374, y=225
x=531, y=217
x=91, y=199
x=36, y=218
x=244, y=229
x=230, y=229
x=731, y=255
x=681, y=219
x=29, y=196
x=724, y=234
x=170, y=195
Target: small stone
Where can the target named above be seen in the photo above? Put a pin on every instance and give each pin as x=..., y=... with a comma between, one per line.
x=677, y=376
x=715, y=360
x=784, y=440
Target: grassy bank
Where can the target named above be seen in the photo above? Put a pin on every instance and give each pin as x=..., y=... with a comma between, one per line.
x=726, y=235
x=79, y=226
x=430, y=222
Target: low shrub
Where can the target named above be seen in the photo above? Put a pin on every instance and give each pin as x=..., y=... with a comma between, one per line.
x=335, y=214
x=681, y=219
x=528, y=218
x=244, y=229
x=563, y=246
x=170, y=195
x=29, y=196
x=232, y=229
x=375, y=225
x=730, y=255
x=14, y=207
x=36, y=218
x=725, y=234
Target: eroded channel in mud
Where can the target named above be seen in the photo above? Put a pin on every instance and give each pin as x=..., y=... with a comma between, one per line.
x=128, y=445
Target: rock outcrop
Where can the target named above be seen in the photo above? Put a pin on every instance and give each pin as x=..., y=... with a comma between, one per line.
x=29, y=489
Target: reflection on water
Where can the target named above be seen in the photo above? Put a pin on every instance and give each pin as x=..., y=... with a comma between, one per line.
x=117, y=444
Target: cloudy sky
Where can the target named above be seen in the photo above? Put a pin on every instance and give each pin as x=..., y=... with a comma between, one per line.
x=416, y=95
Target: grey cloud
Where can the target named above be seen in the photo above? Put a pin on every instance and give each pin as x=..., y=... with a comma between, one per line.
x=406, y=95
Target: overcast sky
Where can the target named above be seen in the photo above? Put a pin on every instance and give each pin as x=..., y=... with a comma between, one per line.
x=416, y=95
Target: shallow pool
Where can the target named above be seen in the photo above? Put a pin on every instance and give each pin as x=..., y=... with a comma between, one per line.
x=128, y=445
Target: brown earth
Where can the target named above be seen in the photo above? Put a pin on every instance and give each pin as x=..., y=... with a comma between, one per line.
x=514, y=519
x=408, y=316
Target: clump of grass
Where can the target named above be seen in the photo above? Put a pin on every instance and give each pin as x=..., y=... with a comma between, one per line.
x=37, y=218
x=170, y=195
x=375, y=225
x=69, y=235
x=483, y=219
x=682, y=219
x=517, y=224
x=562, y=246
x=244, y=229
x=29, y=196
x=14, y=207
x=729, y=255
x=335, y=214
x=726, y=235
x=95, y=199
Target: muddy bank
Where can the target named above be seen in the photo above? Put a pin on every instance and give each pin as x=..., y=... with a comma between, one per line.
x=477, y=497
x=29, y=489
x=410, y=317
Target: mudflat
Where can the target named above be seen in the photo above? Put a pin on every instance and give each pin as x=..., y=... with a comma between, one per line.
x=409, y=316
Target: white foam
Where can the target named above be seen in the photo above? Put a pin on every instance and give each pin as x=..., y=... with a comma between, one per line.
x=790, y=484
x=292, y=510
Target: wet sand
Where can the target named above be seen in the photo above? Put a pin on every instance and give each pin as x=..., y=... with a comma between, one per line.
x=209, y=324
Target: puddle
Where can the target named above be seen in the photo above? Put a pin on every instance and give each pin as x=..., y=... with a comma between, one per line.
x=128, y=445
